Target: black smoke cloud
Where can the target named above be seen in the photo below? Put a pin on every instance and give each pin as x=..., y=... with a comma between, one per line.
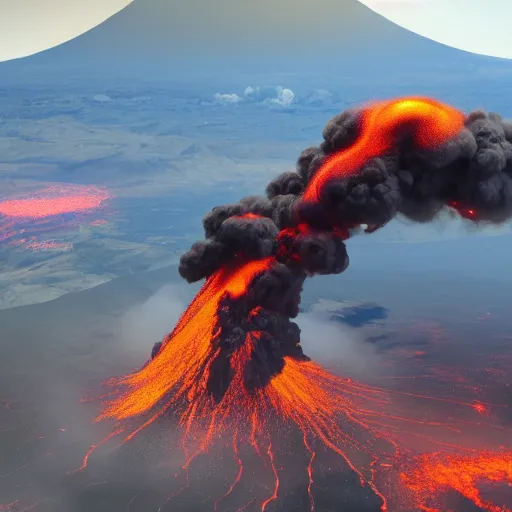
x=471, y=173
x=473, y=170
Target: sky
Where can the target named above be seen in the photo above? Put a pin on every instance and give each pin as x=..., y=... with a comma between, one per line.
x=473, y=25
x=30, y=26
x=167, y=26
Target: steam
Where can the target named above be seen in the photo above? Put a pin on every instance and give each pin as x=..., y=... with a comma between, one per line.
x=149, y=321
x=334, y=345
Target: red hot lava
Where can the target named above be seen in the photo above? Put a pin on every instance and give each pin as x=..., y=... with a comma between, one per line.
x=54, y=201
x=430, y=122
x=437, y=473
x=303, y=392
x=51, y=209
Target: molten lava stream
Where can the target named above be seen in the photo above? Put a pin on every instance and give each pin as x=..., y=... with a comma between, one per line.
x=431, y=123
x=437, y=473
x=54, y=201
x=350, y=419
x=303, y=393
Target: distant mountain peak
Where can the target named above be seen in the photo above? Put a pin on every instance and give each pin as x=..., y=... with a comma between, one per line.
x=203, y=35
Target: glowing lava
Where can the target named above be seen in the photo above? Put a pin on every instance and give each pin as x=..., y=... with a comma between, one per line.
x=183, y=363
x=303, y=392
x=326, y=408
x=54, y=201
x=437, y=473
x=430, y=123
x=51, y=209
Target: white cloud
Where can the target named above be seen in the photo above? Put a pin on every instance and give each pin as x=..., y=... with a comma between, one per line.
x=446, y=226
x=285, y=97
x=333, y=344
x=279, y=95
x=320, y=97
x=101, y=98
x=227, y=98
x=249, y=91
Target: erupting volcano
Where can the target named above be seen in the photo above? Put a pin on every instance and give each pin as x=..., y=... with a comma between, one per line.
x=233, y=365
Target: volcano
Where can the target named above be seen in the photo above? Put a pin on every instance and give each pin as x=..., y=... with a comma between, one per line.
x=234, y=360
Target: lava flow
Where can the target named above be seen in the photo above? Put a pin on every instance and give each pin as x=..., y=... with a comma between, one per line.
x=234, y=365
x=302, y=392
x=429, y=122
x=437, y=473
x=52, y=209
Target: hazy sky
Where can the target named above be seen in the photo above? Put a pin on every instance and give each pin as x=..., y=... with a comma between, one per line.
x=30, y=26
x=478, y=26
x=166, y=26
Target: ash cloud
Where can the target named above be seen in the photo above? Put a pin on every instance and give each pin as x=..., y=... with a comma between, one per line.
x=470, y=174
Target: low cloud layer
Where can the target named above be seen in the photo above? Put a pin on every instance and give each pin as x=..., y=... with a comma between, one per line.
x=280, y=96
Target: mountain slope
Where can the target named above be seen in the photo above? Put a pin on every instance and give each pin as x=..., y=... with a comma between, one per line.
x=169, y=36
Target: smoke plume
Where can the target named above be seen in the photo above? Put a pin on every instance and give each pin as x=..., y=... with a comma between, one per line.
x=374, y=163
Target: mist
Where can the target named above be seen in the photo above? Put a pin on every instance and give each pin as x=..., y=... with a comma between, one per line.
x=336, y=346
x=145, y=324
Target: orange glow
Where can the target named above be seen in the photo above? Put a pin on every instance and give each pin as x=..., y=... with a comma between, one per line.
x=52, y=209
x=431, y=123
x=303, y=393
x=182, y=366
x=438, y=473
x=54, y=201
x=94, y=447
x=480, y=408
